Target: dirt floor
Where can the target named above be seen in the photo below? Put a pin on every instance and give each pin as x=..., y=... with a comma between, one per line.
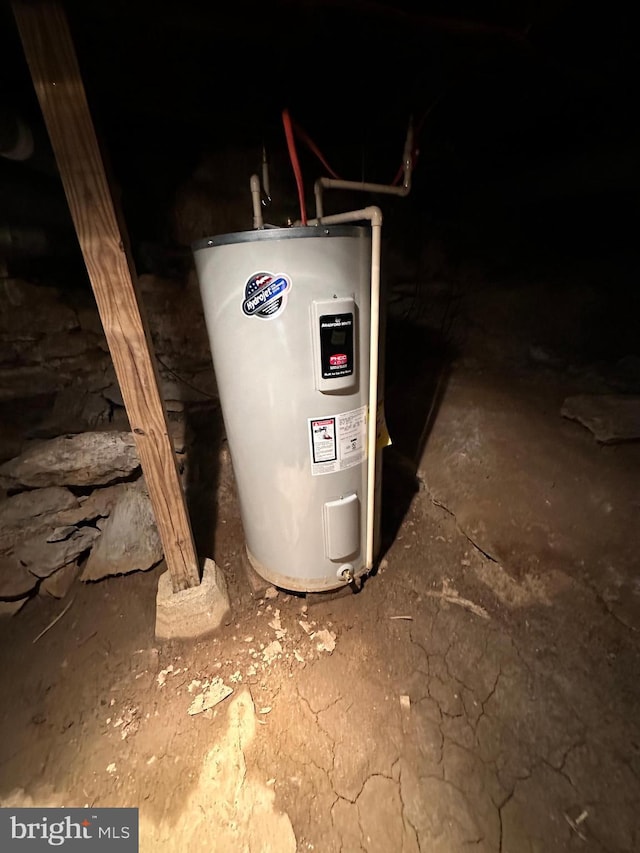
x=479, y=693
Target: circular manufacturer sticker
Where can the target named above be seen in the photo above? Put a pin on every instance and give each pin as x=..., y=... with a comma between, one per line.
x=265, y=294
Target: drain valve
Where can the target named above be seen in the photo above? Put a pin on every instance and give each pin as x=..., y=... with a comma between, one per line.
x=345, y=573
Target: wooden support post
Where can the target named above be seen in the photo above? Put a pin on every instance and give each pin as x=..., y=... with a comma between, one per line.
x=56, y=76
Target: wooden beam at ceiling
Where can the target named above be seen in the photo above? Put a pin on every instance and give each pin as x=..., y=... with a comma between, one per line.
x=51, y=57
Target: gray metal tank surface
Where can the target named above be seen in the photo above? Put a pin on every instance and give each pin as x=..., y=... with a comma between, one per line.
x=287, y=314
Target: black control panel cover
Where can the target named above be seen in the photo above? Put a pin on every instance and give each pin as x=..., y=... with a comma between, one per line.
x=336, y=345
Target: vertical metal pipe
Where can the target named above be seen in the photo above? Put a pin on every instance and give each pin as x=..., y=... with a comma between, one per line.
x=257, y=205
x=374, y=215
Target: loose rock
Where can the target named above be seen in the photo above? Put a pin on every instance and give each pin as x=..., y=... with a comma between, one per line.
x=59, y=583
x=16, y=581
x=212, y=696
x=97, y=505
x=42, y=558
x=38, y=537
x=611, y=418
x=87, y=459
x=130, y=541
x=271, y=652
x=10, y=608
x=327, y=640
x=27, y=505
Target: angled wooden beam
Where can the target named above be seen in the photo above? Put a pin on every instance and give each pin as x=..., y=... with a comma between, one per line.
x=56, y=77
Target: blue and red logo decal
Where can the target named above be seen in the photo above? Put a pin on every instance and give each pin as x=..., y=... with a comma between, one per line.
x=265, y=294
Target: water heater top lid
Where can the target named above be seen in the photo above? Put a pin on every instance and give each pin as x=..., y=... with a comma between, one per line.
x=267, y=234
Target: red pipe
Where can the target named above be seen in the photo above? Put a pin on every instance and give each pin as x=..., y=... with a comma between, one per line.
x=304, y=136
x=293, y=156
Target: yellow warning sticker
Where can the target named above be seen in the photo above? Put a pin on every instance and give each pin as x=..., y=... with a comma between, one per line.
x=383, y=439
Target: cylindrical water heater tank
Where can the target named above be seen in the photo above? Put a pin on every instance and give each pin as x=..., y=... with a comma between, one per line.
x=287, y=313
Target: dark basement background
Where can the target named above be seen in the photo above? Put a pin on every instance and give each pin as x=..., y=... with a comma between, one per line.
x=528, y=148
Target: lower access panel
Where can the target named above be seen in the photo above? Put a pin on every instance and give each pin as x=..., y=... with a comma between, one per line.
x=342, y=527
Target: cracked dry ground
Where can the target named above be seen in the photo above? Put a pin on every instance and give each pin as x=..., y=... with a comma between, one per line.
x=520, y=735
